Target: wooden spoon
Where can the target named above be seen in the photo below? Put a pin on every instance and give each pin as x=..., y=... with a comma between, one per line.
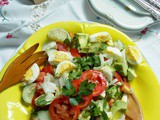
x=20, y=65
x=134, y=111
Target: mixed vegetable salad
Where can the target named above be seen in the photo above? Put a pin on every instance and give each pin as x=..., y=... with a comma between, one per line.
x=85, y=77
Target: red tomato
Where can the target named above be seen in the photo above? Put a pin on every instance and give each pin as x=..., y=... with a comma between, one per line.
x=86, y=102
x=61, y=47
x=76, y=83
x=41, y=77
x=97, y=78
x=33, y=100
x=48, y=69
x=105, y=59
x=40, y=91
x=75, y=52
x=60, y=109
x=118, y=77
x=95, y=98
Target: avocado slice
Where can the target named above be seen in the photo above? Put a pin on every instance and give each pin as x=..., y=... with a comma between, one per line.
x=121, y=69
x=83, y=40
x=119, y=105
x=131, y=73
x=94, y=47
x=97, y=47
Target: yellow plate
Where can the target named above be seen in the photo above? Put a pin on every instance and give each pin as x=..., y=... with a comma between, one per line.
x=145, y=86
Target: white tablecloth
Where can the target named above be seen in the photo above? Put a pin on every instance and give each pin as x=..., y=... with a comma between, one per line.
x=20, y=18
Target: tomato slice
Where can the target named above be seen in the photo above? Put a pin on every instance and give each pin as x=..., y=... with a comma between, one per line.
x=41, y=77
x=96, y=77
x=76, y=84
x=33, y=100
x=61, y=46
x=86, y=99
x=61, y=109
x=75, y=52
x=48, y=69
x=86, y=102
x=118, y=77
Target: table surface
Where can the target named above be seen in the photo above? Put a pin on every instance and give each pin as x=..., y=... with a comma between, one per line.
x=20, y=22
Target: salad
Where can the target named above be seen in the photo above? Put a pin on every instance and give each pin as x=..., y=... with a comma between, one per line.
x=85, y=77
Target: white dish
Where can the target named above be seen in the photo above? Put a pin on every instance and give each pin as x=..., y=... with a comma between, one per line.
x=119, y=14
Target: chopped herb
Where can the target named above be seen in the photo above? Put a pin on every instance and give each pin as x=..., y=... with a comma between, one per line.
x=68, y=42
x=104, y=115
x=75, y=73
x=88, y=62
x=86, y=88
x=73, y=101
x=95, y=111
x=68, y=89
x=68, y=84
x=114, y=92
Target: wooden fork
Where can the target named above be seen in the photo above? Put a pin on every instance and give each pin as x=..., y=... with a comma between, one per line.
x=20, y=65
x=134, y=111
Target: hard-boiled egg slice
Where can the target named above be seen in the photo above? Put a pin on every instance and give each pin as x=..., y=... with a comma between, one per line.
x=56, y=57
x=101, y=37
x=58, y=35
x=49, y=45
x=64, y=66
x=133, y=55
x=32, y=74
x=114, y=52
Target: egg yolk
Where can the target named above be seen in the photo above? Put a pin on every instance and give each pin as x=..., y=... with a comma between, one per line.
x=28, y=75
x=102, y=38
x=65, y=68
x=58, y=57
x=132, y=54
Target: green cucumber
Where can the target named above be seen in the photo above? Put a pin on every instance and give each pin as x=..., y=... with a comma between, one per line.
x=40, y=115
x=28, y=92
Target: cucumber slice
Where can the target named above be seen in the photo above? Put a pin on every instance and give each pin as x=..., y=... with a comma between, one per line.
x=44, y=99
x=58, y=35
x=40, y=115
x=28, y=92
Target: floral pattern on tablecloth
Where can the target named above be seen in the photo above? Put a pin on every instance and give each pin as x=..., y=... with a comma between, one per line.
x=3, y=13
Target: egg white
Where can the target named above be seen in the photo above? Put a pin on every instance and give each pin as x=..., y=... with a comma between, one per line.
x=95, y=37
x=32, y=74
x=113, y=52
